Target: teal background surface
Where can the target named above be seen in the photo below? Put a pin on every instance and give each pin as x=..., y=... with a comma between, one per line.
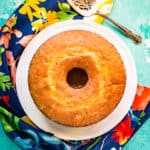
x=135, y=14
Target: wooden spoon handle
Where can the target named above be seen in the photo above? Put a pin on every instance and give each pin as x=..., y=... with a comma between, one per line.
x=126, y=31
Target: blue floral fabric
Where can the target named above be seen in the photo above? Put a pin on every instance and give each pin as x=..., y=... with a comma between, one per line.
x=29, y=19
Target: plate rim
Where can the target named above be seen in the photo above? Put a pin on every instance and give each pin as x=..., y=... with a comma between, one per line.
x=61, y=131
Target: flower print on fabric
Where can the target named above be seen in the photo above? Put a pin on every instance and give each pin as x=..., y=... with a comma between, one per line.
x=31, y=8
x=8, y=30
x=123, y=131
x=10, y=123
x=31, y=139
x=11, y=61
x=50, y=17
x=25, y=40
x=142, y=98
x=41, y=18
x=5, y=99
x=27, y=120
x=1, y=52
x=5, y=83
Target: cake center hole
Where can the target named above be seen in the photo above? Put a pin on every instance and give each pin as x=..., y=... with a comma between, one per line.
x=77, y=78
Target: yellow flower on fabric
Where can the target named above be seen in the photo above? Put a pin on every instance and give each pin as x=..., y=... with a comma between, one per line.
x=28, y=121
x=37, y=25
x=51, y=18
x=48, y=18
x=40, y=13
x=31, y=8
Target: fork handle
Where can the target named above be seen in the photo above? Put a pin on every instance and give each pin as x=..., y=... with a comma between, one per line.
x=129, y=33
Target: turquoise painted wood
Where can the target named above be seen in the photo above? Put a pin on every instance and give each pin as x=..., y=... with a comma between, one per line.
x=134, y=14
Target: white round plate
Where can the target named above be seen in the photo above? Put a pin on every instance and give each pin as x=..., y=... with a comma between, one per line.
x=75, y=133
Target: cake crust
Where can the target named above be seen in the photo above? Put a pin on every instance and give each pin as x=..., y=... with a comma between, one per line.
x=72, y=106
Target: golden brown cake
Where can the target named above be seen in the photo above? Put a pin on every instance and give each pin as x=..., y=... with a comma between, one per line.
x=77, y=78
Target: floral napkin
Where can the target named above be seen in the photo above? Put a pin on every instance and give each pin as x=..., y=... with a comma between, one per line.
x=29, y=19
